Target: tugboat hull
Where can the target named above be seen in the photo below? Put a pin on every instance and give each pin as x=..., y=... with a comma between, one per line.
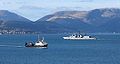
x=36, y=46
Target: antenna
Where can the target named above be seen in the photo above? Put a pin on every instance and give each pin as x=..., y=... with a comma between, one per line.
x=38, y=37
x=42, y=38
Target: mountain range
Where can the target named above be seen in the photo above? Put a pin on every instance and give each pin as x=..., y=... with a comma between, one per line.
x=97, y=20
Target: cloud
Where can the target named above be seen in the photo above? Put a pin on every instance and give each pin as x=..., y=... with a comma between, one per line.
x=31, y=8
x=86, y=1
x=68, y=8
x=73, y=0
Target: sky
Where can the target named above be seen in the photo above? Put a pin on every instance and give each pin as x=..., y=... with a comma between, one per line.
x=35, y=9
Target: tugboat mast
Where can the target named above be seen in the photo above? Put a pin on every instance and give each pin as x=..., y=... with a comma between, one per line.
x=38, y=37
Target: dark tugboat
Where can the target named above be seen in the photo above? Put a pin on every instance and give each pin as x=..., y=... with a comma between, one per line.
x=39, y=43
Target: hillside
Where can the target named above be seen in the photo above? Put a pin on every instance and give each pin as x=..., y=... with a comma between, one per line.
x=97, y=20
x=12, y=21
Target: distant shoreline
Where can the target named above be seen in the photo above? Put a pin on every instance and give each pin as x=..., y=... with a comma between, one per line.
x=97, y=33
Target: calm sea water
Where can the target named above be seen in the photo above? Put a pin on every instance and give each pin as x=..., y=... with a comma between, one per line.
x=104, y=50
